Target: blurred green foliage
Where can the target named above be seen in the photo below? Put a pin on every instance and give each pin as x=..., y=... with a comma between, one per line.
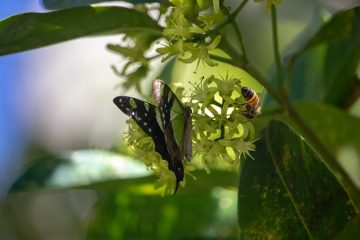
x=295, y=187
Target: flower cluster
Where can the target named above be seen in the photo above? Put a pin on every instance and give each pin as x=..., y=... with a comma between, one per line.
x=187, y=30
x=144, y=149
x=220, y=132
x=222, y=136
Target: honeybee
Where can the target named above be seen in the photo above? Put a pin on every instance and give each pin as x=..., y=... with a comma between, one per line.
x=252, y=103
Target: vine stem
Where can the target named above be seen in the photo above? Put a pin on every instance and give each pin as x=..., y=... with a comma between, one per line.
x=230, y=19
x=238, y=34
x=280, y=79
x=237, y=29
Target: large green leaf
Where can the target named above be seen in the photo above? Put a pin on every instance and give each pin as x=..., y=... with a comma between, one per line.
x=335, y=128
x=35, y=177
x=77, y=169
x=99, y=170
x=330, y=75
x=306, y=75
x=32, y=30
x=58, y=4
x=351, y=230
x=288, y=193
x=338, y=28
x=342, y=60
x=338, y=131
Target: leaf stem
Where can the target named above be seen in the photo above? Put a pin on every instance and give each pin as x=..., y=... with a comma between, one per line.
x=237, y=30
x=230, y=19
x=238, y=34
x=222, y=133
x=280, y=79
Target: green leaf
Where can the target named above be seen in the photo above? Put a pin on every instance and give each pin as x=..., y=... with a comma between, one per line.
x=79, y=168
x=35, y=177
x=95, y=169
x=326, y=122
x=306, y=75
x=328, y=71
x=341, y=64
x=288, y=193
x=58, y=4
x=338, y=28
x=351, y=230
x=33, y=30
x=338, y=131
x=335, y=127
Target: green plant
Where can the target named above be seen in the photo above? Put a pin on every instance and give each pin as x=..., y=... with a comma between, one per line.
x=296, y=187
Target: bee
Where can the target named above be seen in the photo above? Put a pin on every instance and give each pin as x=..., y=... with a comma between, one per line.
x=252, y=103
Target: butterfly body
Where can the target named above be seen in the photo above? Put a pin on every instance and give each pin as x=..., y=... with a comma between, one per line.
x=168, y=124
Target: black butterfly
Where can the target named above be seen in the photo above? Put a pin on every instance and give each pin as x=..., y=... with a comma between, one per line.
x=168, y=124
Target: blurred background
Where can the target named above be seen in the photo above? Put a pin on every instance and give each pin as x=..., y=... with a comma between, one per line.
x=58, y=126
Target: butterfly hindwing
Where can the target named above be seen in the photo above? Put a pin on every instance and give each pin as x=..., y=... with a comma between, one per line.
x=144, y=114
x=176, y=119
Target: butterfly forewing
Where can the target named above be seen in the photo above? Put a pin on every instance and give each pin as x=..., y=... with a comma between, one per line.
x=165, y=106
x=172, y=112
x=180, y=118
x=144, y=114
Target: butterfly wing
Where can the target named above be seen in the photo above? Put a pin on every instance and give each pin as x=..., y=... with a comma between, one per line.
x=176, y=120
x=144, y=114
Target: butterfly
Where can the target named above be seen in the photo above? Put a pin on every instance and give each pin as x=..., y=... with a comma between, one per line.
x=169, y=124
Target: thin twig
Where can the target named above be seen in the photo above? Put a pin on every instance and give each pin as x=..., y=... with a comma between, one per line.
x=238, y=34
x=276, y=48
x=230, y=18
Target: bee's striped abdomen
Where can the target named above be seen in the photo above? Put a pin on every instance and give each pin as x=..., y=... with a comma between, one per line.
x=252, y=102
